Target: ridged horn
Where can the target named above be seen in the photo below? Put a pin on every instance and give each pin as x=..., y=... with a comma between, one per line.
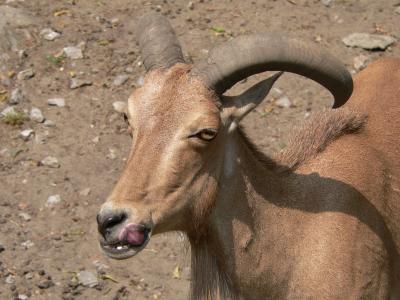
x=158, y=44
x=244, y=56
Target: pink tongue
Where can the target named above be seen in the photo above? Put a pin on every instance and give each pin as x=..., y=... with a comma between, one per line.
x=132, y=234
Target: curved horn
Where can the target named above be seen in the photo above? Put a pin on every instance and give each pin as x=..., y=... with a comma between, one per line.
x=158, y=44
x=244, y=56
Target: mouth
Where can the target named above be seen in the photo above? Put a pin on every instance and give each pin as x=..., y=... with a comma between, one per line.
x=124, y=248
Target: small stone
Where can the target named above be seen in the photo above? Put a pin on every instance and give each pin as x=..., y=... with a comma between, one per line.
x=87, y=278
x=49, y=34
x=73, y=52
x=100, y=267
x=85, y=192
x=96, y=139
x=190, y=5
x=10, y=279
x=112, y=153
x=53, y=200
x=77, y=83
x=8, y=110
x=16, y=96
x=360, y=62
x=120, y=79
x=283, y=102
x=23, y=297
x=368, y=41
x=120, y=106
x=129, y=70
x=36, y=115
x=27, y=244
x=26, y=134
x=25, y=74
x=28, y=275
x=45, y=284
x=24, y=216
x=49, y=123
x=50, y=161
x=327, y=2
x=59, y=102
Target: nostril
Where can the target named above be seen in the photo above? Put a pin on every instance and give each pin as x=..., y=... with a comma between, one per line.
x=107, y=222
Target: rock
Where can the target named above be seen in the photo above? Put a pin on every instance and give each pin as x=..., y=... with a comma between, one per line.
x=100, y=267
x=45, y=284
x=120, y=79
x=59, y=102
x=53, y=200
x=283, y=102
x=10, y=279
x=49, y=34
x=50, y=161
x=8, y=110
x=327, y=2
x=25, y=74
x=85, y=192
x=49, y=123
x=26, y=134
x=73, y=52
x=36, y=115
x=368, y=41
x=16, y=96
x=120, y=106
x=27, y=244
x=129, y=70
x=77, y=83
x=112, y=153
x=96, y=139
x=2, y=248
x=12, y=35
x=28, y=276
x=87, y=278
x=22, y=297
x=360, y=62
x=190, y=5
x=26, y=217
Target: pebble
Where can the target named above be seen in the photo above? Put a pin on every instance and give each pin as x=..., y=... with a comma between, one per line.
x=16, y=96
x=190, y=5
x=8, y=110
x=50, y=161
x=27, y=244
x=22, y=297
x=45, y=284
x=100, y=267
x=28, y=275
x=87, y=278
x=327, y=2
x=283, y=102
x=112, y=153
x=368, y=41
x=73, y=52
x=120, y=106
x=49, y=123
x=53, y=200
x=85, y=192
x=26, y=134
x=77, y=83
x=36, y=115
x=59, y=102
x=49, y=34
x=360, y=62
x=25, y=216
x=10, y=279
x=120, y=79
x=25, y=74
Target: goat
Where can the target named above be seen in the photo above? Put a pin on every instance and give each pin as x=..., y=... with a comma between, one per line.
x=321, y=220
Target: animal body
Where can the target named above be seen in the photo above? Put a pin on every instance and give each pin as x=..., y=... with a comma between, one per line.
x=321, y=220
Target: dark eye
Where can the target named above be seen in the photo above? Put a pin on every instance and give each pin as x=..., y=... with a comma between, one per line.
x=126, y=119
x=207, y=134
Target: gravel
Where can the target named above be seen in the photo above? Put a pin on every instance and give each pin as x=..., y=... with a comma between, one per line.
x=368, y=41
x=59, y=102
x=120, y=106
x=73, y=52
x=120, y=80
x=49, y=34
x=87, y=278
x=77, y=83
x=25, y=74
x=283, y=102
x=36, y=115
x=50, y=161
x=26, y=134
x=53, y=200
x=16, y=97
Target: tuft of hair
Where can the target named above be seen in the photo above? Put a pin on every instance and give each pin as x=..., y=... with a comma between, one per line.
x=317, y=133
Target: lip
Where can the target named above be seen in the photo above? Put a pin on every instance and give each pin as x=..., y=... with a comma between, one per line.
x=122, y=250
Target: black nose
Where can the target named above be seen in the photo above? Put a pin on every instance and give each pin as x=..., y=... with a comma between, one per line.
x=106, y=222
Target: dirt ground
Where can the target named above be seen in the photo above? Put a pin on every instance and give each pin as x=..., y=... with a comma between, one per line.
x=44, y=247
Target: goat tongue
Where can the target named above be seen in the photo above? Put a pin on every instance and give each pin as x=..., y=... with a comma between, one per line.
x=133, y=234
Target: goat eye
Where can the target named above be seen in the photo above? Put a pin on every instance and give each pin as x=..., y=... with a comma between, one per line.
x=207, y=134
x=126, y=119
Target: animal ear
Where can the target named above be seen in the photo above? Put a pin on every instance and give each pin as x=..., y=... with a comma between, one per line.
x=237, y=107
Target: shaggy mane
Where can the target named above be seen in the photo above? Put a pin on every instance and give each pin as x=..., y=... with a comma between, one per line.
x=311, y=138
